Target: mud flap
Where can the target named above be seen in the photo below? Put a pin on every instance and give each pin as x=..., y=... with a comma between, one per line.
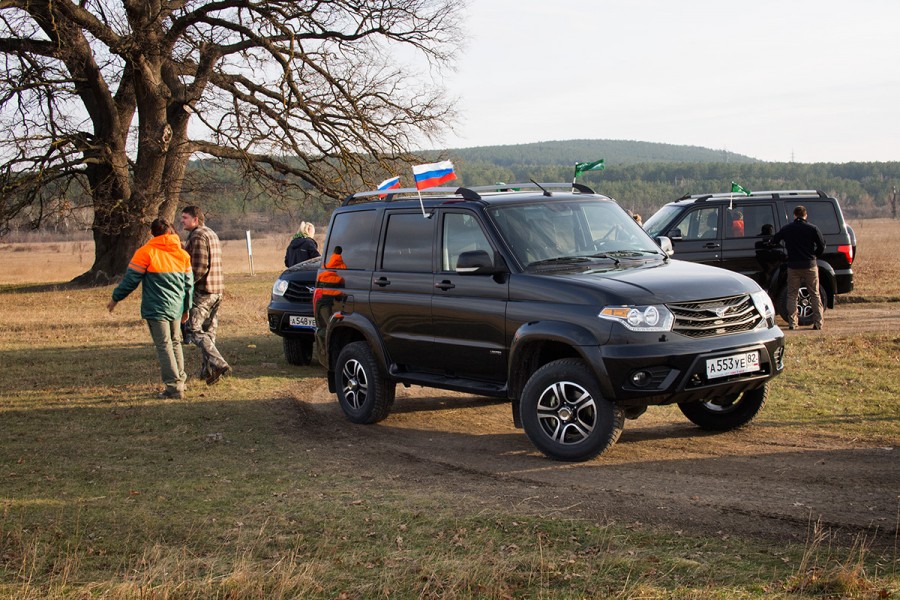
x=517, y=418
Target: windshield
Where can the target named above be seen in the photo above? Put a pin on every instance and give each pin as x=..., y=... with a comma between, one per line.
x=577, y=230
x=654, y=225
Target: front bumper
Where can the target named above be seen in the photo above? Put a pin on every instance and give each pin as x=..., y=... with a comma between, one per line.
x=279, y=318
x=678, y=369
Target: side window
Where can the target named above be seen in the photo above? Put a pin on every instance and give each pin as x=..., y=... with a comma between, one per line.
x=748, y=220
x=352, y=231
x=818, y=212
x=461, y=233
x=699, y=224
x=408, y=243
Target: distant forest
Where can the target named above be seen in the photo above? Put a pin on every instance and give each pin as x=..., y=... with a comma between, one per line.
x=641, y=176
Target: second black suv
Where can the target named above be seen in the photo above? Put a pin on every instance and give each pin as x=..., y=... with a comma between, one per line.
x=729, y=231
x=290, y=312
x=557, y=301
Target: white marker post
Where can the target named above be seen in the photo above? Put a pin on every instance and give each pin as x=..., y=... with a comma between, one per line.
x=250, y=252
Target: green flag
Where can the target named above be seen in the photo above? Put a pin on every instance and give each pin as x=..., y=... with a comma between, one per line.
x=583, y=167
x=737, y=189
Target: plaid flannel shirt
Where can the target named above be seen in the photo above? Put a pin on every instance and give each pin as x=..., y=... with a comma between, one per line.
x=206, y=261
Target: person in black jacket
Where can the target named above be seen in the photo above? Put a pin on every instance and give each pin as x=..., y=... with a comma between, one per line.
x=804, y=243
x=302, y=246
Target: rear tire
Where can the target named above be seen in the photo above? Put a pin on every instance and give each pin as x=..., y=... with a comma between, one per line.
x=726, y=413
x=565, y=415
x=364, y=392
x=804, y=305
x=298, y=351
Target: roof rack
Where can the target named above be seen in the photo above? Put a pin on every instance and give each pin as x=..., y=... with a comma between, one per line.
x=466, y=193
x=759, y=194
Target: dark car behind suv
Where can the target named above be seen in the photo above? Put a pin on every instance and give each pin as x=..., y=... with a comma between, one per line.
x=555, y=300
x=290, y=311
x=729, y=230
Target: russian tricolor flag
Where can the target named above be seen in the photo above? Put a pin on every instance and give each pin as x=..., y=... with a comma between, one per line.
x=388, y=184
x=433, y=174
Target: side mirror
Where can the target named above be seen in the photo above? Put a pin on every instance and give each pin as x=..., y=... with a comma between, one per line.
x=475, y=262
x=665, y=244
x=675, y=234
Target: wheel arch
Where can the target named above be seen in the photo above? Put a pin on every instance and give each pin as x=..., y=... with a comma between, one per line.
x=538, y=343
x=346, y=330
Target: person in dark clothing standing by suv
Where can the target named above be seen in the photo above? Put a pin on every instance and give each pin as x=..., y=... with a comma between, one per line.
x=303, y=246
x=804, y=243
x=209, y=284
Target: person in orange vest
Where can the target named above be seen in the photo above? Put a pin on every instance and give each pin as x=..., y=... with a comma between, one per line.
x=164, y=269
x=330, y=279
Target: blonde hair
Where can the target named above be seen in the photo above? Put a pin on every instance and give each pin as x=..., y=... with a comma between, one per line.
x=307, y=229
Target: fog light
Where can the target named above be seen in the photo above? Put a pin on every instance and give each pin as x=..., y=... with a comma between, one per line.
x=640, y=379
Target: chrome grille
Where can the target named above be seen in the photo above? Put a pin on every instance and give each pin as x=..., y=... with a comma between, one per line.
x=718, y=316
x=299, y=292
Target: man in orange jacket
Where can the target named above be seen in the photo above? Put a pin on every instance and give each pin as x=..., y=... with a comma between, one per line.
x=164, y=268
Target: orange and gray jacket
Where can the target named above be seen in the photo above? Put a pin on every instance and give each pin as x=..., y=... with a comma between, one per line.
x=165, y=269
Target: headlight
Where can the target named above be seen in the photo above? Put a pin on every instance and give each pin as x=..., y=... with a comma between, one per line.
x=640, y=318
x=765, y=307
x=280, y=287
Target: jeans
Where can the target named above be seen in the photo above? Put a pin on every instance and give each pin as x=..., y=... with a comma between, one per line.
x=167, y=339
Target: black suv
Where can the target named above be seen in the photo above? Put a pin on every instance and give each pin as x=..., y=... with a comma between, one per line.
x=290, y=310
x=730, y=231
x=557, y=301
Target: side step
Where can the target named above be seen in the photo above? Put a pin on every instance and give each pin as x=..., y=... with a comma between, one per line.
x=456, y=384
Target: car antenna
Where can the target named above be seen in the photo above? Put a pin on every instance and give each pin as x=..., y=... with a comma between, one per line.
x=546, y=193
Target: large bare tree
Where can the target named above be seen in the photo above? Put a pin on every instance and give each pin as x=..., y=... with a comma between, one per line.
x=117, y=96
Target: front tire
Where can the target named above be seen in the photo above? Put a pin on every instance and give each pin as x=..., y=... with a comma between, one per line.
x=726, y=413
x=564, y=414
x=364, y=392
x=298, y=351
x=804, y=305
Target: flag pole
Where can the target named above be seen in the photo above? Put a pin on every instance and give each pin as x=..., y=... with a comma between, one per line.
x=575, y=176
x=421, y=204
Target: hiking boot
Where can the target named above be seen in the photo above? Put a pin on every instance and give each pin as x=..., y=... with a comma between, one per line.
x=216, y=374
x=170, y=394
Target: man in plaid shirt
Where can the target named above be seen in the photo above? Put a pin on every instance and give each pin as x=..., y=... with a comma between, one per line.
x=209, y=284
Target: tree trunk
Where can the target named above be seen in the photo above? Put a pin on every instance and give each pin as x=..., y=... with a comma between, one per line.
x=112, y=253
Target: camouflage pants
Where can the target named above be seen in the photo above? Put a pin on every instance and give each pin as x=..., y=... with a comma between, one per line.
x=201, y=330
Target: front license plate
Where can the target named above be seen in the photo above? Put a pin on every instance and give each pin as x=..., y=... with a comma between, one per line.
x=735, y=364
x=296, y=321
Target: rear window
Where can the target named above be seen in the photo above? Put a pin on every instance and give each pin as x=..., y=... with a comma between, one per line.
x=820, y=213
x=352, y=231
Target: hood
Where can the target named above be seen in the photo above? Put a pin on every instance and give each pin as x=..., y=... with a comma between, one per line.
x=166, y=242
x=641, y=283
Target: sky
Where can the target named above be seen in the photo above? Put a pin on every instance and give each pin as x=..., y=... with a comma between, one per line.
x=787, y=80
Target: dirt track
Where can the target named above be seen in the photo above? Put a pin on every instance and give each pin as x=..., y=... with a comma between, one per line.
x=761, y=481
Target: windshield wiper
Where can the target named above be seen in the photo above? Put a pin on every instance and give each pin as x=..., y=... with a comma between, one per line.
x=558, y=259
x=608, y=255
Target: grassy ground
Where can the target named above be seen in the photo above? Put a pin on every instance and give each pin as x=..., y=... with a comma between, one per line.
x=108, y=492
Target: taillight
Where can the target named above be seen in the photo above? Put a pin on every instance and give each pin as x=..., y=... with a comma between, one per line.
x=847, y=251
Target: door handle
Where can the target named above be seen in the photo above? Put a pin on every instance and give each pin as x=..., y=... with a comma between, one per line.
x=711, y=245
x=444, y=285
x=382, y=282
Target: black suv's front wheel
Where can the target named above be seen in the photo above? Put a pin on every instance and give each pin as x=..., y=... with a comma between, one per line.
x=728, y=412
x=564, y=414
x=365, y=394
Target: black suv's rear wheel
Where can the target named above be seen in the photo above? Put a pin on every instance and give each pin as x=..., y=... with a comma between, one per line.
x=804, y=305
x=564, y=414
x=728, y=412
x=298, y=351
x=365, y=394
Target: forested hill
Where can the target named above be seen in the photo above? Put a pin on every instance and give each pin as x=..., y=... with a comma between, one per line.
x=614, y=152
